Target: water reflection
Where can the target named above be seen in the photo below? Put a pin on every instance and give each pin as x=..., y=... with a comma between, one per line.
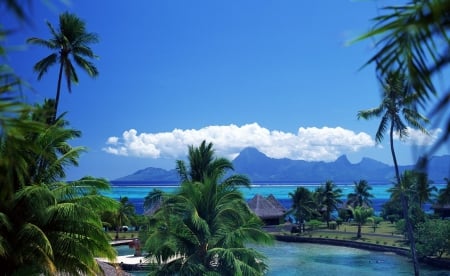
x=294, y=259
x=286, y=258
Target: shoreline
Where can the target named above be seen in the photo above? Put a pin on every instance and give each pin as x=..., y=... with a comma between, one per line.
x=438, y=263
x=441, y=263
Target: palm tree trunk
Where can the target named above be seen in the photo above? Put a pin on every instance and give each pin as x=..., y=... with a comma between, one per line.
x=58, y=91
x=405, y=207
x=358, y=235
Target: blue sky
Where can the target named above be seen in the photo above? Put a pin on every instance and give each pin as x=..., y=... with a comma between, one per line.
x=275, y=75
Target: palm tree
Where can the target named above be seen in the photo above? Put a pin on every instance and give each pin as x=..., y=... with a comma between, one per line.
x=123, y=214
x=331, y=196
x=202, y=164
x=360, y=216
x=303, y=205
x=361, y=194
x=43, y=235
x=204, y=227
x=47, y=225
x=70, y=41
x=424, y=188
x=397, y=100
x=54, y=152
x=414, y=39
x=444, y=193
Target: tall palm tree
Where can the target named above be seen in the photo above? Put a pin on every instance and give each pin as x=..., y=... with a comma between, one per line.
x=444, y=193
x=361, y=194
x=43, y=235
x=303, y=205
x=124, y=213
x=413, y=38
x=47, y=225
x=398, y=105
x=204, y=227
x=360, y=216
x=426, y=192
x=331, y=196
x=202, y=163
x=69, y=43
x=54, y=152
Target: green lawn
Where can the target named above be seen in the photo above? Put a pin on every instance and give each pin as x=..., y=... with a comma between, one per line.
x=384, y=234
x=124, y=235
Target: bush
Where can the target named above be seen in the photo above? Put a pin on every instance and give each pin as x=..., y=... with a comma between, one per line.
x=332, y=225
x=314, y=224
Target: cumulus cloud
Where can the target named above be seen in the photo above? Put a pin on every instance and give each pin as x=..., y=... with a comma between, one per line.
x=311, y=144
x=418, y=138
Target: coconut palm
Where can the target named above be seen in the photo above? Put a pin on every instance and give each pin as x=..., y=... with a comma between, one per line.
x=405, y=188
x=124, y=213
x=361, y=194
x=202, y=164
x=397, y=109
x=303, y=205
x=204, y=227
x=413, y=38
x=47, y=225
x=331, y=198
x=444, y=193
x=426, y=192
x=70, y=44
x=42, y=235
x=54, y=152
x=360, y=216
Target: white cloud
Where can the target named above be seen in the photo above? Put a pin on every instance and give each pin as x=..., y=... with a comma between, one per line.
x=311, y=144
x=418, y=138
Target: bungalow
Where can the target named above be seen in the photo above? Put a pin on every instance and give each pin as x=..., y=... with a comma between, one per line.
x=268, y=209
x=442, y=210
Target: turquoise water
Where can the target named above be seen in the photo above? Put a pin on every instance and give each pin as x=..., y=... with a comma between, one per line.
x=315, y=259
x=302, y=258
x=136, y=193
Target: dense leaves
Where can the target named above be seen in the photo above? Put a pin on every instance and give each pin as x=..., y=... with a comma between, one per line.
x=70, y=44
x=205, y=226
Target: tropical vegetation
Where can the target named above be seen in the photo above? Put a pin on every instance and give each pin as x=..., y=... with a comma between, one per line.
x=361, y=195
x=206, y=226
x=328, y=198
x=397, y=110
x=70, y=44
x=411, y=40
x=47, y=225
x=303, y=205
x=360, y=216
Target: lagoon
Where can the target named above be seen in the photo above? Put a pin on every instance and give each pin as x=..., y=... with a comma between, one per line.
x=289, y=258
x=136, y=193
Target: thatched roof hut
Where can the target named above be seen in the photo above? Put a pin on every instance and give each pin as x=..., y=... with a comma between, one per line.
x=268, y=209
x=441, y=210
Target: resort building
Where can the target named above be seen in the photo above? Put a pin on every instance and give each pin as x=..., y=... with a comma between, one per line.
x=268, y=209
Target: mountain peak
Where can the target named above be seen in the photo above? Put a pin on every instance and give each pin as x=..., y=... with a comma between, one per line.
x=342, y=160
x=259, y=168
x=250, y=153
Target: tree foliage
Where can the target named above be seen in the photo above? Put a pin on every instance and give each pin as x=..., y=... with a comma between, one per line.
x=361, y=194
x=433, y=238
x=412, y=38
x=303, y=205
x=70, y=44
x=205, y=226
x=47, y=226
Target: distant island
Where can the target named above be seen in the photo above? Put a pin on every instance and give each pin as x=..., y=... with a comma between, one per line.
x=261, y=168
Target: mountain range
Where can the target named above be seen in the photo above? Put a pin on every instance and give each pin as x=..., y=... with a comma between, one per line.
x=261, y=168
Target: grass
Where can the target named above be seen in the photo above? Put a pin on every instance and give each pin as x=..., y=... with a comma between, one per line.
x=128, y=235
x=384, y=234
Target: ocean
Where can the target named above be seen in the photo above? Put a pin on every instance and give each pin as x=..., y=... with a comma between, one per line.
x=136, y=191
